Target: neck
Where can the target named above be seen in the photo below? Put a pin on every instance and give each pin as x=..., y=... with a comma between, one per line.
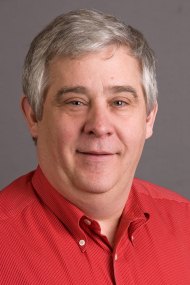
x=106, y=209
x=109, y=228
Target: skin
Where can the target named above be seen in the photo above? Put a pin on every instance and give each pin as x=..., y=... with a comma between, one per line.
x=93, y=130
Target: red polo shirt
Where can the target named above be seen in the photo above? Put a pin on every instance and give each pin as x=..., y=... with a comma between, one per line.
x=44, y=239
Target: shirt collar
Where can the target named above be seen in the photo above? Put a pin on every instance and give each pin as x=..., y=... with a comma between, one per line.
x=133, y=215
x=65, y=211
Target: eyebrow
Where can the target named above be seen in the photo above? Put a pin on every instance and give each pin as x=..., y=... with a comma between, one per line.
x=124, y=89
x=68, y=89
x=83, y=90
x=74, y=89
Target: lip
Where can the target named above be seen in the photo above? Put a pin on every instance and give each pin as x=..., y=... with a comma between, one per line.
x=95, y=152
x=96, y=155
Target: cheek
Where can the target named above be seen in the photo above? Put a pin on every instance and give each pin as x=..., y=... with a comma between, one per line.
x=65, y=132
x=133, y=132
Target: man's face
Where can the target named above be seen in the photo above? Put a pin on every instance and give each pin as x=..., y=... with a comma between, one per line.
x=94, y=123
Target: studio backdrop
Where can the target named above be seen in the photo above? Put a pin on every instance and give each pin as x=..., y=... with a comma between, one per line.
x=166, y=25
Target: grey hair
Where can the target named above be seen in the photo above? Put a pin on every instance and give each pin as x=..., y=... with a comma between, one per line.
x=77, y=33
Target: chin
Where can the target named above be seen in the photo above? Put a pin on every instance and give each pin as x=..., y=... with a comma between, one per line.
x=95, y=185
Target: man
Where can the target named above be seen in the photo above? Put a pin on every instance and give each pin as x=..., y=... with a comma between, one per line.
x=81, y=218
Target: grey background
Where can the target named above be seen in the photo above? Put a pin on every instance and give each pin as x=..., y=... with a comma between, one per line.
x=166, y=25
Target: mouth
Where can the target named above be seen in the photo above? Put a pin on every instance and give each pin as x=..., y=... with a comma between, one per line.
x=95, y=153
x=96, y=156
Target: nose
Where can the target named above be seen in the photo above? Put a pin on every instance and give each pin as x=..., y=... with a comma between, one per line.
x=98, y=122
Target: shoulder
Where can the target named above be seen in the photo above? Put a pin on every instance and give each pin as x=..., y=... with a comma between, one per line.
x=17, y=196
x=164, y=206
x=165, y=203
x=158, y=192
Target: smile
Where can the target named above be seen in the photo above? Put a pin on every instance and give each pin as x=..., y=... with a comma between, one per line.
x=96, y=155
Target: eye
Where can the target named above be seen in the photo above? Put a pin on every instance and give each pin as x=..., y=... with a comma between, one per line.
x=75, y=103
x=120, y=103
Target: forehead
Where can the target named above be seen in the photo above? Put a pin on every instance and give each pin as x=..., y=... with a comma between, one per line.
x=110, y=71
x=109, y=60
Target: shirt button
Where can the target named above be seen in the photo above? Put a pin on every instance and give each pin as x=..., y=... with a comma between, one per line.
x=132, y=238
x=82, y=242
x=87, y=222
x=115, y=257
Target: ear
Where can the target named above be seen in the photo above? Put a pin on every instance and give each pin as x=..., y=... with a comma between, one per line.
x=150, y=121
x=29, y=116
